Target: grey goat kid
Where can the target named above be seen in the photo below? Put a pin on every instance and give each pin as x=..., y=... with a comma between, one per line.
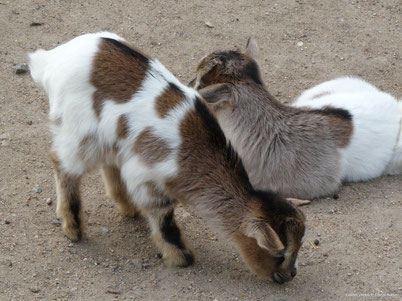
x=305, y=150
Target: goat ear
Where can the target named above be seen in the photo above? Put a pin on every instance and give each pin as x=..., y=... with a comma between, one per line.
x=252, y=49
x=216, y=94
x=203, y=68
x=266, y=237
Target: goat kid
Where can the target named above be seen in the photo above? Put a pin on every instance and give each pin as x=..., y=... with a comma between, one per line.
x=341, y=130
x=113, y=107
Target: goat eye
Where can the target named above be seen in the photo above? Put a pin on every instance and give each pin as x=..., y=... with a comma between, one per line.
x=280, y=260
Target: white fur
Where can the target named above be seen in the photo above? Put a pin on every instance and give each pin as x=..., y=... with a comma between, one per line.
x=376, y=126
x=395, y=164
x=304, y=235
x=65, y=73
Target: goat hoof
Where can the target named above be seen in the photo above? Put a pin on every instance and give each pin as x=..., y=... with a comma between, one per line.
x=74, y=234
x=181, y=258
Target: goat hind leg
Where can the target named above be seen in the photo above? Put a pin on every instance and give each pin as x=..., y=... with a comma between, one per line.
x=69, y=207
x=116, y=190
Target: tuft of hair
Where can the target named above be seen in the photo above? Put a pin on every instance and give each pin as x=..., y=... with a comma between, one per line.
x=336, y=112
x=38, y=64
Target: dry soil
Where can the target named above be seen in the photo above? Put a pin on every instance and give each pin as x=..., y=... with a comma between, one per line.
x=303, y=42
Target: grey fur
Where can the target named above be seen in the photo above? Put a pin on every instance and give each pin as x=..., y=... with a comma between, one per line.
x=284, y=149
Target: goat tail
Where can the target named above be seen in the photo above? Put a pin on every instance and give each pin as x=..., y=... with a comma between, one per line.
x=37, y=65
x=395, y=165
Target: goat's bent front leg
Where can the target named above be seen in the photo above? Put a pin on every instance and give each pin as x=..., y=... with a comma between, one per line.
x=116, y=190
x=168, y=238
x=68, y=201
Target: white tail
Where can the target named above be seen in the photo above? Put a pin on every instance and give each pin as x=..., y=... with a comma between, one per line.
x=37, y=65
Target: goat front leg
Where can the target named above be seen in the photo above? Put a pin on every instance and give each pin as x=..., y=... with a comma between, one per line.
x=116, y=190
x=69, y=207
x=168, y=238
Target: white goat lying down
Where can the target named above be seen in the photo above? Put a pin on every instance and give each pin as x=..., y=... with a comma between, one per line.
x=375, y=147
x=341, y=130
x=113, y=107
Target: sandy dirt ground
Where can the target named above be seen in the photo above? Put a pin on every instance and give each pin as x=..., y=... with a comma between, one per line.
x=303, y=42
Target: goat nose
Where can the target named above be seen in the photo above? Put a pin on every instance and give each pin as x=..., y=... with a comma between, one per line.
x=293, y=273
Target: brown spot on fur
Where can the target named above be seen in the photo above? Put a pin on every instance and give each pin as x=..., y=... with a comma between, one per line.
x=340, y=124
x=98, y=99
x=122, y=127
x=118, y=71
x=151, y=148
x=170, y=97
x=341, y=129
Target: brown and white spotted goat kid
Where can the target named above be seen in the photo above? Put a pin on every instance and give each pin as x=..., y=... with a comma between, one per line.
x=114, y=107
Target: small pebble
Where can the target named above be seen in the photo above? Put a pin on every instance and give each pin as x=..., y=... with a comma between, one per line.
x=209, y=24
x=113, y=291
x=145, y=265
x=5, y=136
x=56, y=222
x=21, y=68
x=316, y=242
x=300, y=44
x=7, y=222
x=33, y=24
x=29, y=122
x=49, y=201
x=37, y=189
x=390, y=224
x=105, y=230
x=335, y=196
x=35, y=290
